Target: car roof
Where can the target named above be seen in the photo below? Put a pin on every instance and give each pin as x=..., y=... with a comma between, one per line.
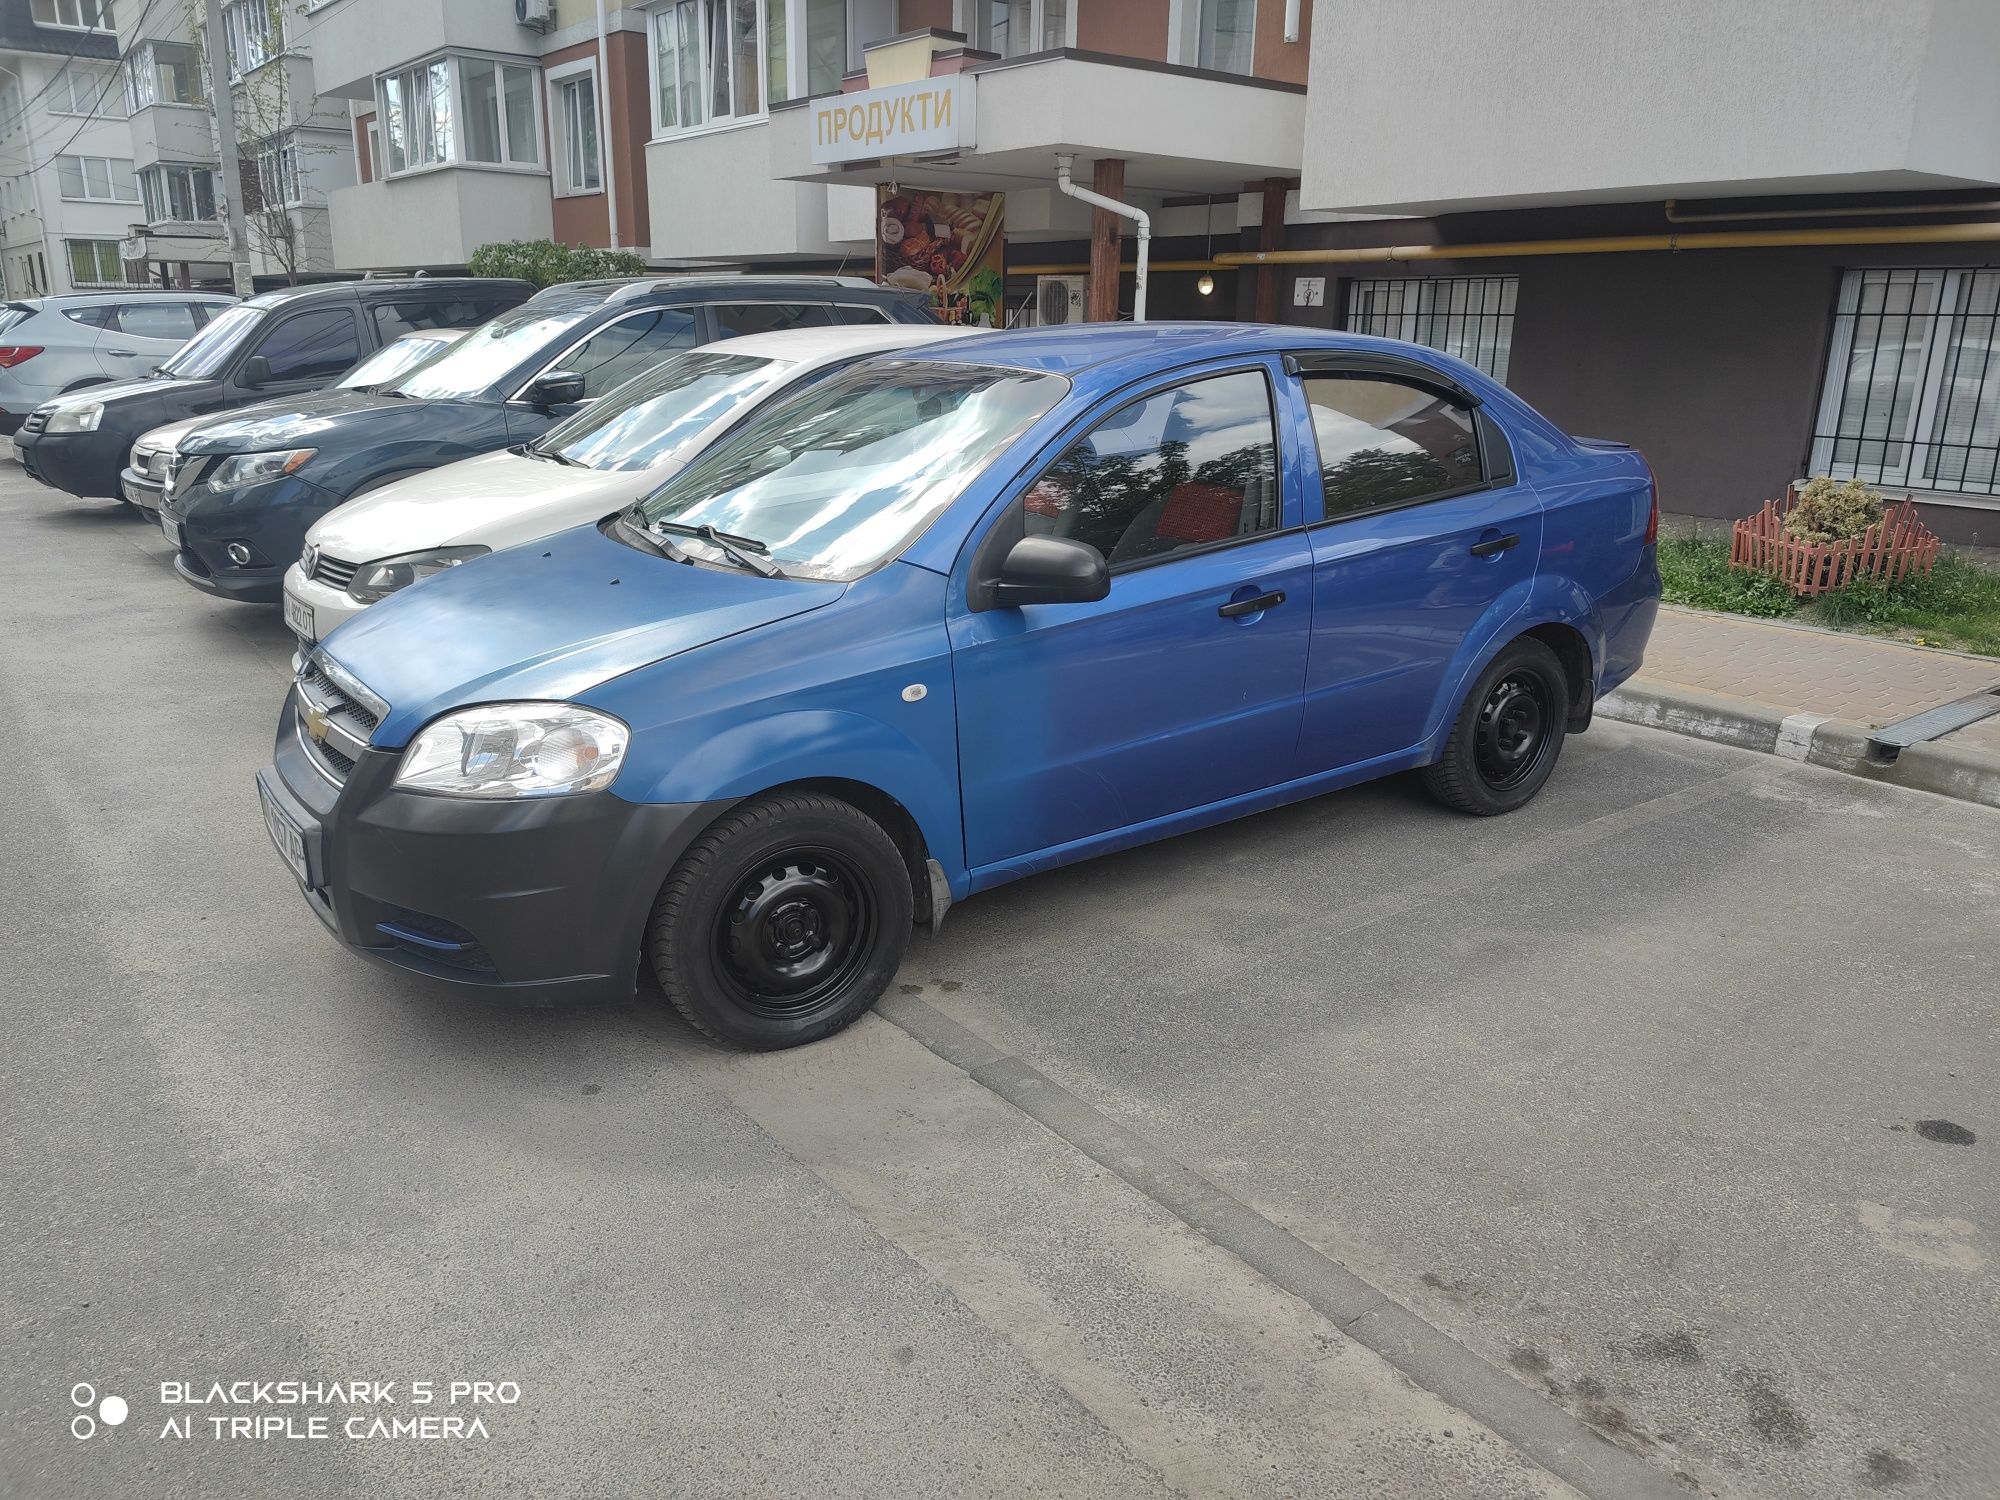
x=384, y=286
x=93, y=299
x=812, y=346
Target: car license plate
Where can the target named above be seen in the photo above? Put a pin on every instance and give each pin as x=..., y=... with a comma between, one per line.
x=172, y=528
x=286, y=835
x=299, y=617
x=144, y=499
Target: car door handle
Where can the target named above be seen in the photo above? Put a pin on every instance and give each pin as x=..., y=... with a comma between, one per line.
x=1497, y=544
x=1252, y=606
x=123, y=353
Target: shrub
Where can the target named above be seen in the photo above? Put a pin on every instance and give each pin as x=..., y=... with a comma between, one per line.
x=1696, y=572
x=1829, y=512
x=545, y=263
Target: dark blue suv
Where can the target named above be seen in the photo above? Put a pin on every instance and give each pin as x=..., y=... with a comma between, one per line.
x=243, y=491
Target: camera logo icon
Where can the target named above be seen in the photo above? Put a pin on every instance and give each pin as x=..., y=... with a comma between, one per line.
x=111, y=1411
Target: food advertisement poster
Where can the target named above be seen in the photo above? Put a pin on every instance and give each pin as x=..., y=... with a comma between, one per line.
x=951, y=245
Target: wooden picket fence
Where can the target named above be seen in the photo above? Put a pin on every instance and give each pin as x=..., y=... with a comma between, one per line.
x=1894, y=547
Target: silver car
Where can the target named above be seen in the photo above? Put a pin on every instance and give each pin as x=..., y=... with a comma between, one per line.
x=49, y=345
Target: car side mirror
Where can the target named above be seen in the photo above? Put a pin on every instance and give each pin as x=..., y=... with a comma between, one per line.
x=554, y=388
x=256, y=372
x=1050, y=570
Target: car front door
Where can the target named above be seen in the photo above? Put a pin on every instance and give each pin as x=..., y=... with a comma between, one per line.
x=300, y=352
x=605, y=359
x=1180, y=688
x=1422, y=528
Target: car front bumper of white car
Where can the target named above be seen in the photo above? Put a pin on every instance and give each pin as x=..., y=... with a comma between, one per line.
x=314, y=605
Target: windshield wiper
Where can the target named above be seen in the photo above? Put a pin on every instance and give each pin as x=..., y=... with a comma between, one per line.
x=741, y=550
x=650, y=539
x=547, y=455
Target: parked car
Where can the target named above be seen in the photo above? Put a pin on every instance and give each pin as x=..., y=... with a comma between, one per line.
x=944, y=620
x=602, y=459
x=277, y=344
x=145, y=477
x=53, y=345
x=247, y=490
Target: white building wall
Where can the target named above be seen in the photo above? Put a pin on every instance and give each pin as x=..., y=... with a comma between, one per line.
x=1420, y=106
x=42, y=220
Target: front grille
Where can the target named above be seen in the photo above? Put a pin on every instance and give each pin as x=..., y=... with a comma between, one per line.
x=348, y=722
x=151, y=462
x=37, y=420
x=332, y=572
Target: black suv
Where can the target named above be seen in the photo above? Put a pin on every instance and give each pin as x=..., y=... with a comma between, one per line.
x=275, y=345
x=243, y=490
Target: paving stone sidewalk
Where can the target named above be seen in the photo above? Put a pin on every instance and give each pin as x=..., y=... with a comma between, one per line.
x=1802, y=670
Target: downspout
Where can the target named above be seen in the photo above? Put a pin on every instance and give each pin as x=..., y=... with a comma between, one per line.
x=1291, y=20
x=1623, y=244
x=604, y=128
x=1125, y=211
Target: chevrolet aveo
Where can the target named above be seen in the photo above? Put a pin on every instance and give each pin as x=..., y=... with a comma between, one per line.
x=942, y=620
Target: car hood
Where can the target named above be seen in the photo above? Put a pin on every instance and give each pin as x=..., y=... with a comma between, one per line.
x=548, y=621
x=117, y=390
x=494, y=500
x=301, y=422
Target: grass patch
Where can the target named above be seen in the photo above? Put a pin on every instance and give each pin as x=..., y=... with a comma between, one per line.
x=1957, y=606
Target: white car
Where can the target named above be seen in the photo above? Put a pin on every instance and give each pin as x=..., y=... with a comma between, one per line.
x=145, y=476
x=615, y=451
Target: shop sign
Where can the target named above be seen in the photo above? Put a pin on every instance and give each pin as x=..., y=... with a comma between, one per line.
x=951, y=245
x=907, y=119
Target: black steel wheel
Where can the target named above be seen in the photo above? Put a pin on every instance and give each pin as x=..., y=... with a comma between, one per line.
x=1508, y=733
x=783, y=922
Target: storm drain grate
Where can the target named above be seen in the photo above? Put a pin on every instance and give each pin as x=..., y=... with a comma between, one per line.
x=1935, y=722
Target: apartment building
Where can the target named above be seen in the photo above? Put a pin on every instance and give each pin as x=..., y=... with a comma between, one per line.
x=295, y=147
x=1758, y=241
x=68, y=189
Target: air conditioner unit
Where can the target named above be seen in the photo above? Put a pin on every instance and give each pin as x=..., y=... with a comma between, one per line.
x=1059, y=299
x=539, y=15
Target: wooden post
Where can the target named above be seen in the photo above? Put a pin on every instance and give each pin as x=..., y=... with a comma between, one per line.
x=1270, y=236
x=1107, y=243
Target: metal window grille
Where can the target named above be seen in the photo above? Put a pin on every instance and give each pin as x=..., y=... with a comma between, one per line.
x=1911, y=398
x=1469, y=316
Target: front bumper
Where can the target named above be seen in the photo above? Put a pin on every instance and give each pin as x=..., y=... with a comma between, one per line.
x=330, y=606
x=545, y=897
x=270, y=519
x=140, y=489
x=83, y=463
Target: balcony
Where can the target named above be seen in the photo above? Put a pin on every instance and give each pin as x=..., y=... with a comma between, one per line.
x=350, y=43
x=436, y=218
x=171, y=133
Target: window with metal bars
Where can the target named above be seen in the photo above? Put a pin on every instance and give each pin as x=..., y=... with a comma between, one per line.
x=1469, y=316
x=1911, y=398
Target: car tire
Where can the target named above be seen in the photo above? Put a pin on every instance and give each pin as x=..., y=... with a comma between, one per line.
x=782, y=923
x=1508, y=734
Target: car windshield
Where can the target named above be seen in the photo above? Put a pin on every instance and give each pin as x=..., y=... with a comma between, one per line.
x=832, y=479
x=647, y=419
x=489, y=351
x=210, y=351
x=391, y=360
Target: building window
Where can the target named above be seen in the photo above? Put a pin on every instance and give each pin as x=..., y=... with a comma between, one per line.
x=708, y=62
x=1014, y=28
x=277, y=162
x=73, y=15
x=473, y=109
x=176, y=192
x=77, y=90
x=161, y=73
x=95, y=263
x=96, y=179
x=254, y=34
x=580, y=167
x=1912, y=392
x=1469, y=316
x=1228, y=35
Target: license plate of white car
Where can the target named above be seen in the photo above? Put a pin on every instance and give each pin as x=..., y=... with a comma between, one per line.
x=286, y=835
x=299, y=618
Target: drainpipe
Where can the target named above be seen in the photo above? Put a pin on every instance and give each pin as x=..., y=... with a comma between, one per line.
x=1125, y=211
x=604, y=130
x=1291, y=20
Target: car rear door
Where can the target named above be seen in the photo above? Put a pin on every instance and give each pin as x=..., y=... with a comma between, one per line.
x=1182, y=687
x=1422, y=527
x=140, y=335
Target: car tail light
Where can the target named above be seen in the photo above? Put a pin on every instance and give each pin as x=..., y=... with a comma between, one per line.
x=1653, y=517
x=17, y=354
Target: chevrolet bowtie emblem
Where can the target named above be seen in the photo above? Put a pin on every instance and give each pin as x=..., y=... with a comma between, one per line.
x=315, y=722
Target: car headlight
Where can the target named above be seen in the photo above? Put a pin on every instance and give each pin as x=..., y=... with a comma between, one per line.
x=82, y=417
x=515, y=750
x=241, y=469
x=378, y=580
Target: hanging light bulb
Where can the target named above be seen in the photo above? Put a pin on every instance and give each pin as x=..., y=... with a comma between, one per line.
x=1206, y=286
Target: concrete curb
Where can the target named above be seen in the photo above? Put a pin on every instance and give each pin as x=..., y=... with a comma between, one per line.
x=1835, y=744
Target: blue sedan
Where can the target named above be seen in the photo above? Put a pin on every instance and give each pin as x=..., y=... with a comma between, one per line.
x=947, y=619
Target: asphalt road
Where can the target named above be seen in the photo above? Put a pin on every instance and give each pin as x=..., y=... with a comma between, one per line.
x=1357, y=1148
